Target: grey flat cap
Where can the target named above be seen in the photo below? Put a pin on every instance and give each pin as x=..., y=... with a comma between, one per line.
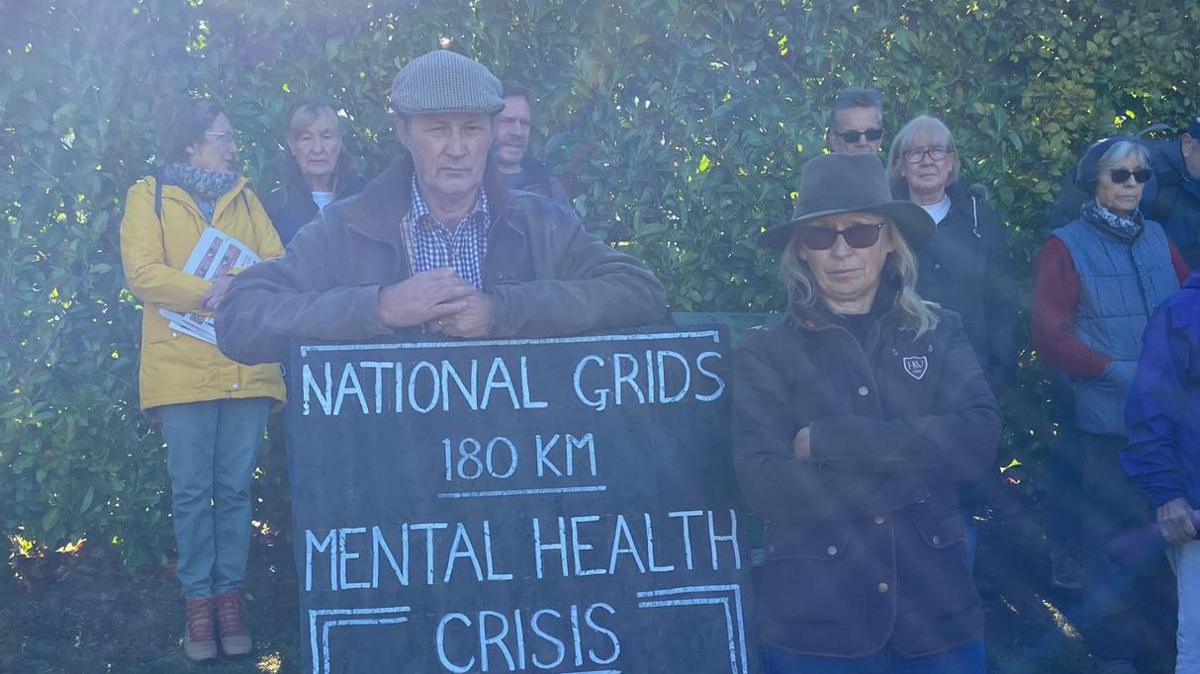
x=444, y=81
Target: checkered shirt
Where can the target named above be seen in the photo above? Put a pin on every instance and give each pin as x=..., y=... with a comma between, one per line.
x=433, y=245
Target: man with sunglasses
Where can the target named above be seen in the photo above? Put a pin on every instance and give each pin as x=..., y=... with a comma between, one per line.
x=1172, y=197
x=856, y=122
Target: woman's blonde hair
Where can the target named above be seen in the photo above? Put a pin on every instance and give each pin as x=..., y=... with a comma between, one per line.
x=803, y=292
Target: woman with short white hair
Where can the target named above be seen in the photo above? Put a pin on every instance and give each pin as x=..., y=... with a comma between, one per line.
x=317, y=168
x=1099, y=279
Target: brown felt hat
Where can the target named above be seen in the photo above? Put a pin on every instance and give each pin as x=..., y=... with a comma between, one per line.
x=850, y=183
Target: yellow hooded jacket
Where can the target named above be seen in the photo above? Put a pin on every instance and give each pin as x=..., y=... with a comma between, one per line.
x=177, y=368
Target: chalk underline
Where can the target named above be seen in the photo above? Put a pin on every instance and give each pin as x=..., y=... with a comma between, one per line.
x=523, y=492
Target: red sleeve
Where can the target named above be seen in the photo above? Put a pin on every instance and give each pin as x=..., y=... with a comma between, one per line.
x=1181, y=268
x=1055, y=297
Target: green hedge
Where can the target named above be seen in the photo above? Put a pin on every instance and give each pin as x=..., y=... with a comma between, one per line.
x=681, y=126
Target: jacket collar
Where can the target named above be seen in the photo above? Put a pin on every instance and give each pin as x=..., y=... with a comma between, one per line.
x=377, y=210
x=818, y=316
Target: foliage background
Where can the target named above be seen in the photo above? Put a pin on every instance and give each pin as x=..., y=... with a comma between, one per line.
x=681, y=125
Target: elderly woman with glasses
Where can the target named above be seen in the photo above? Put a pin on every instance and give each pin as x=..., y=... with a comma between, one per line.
x=212, y=410
x=317, y=168
x=1099, y=279
x=854, y=420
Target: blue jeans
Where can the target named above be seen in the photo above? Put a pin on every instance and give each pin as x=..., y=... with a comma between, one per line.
x=969, y=658
x=212, y=447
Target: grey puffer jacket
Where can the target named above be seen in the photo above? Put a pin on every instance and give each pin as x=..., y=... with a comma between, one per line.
x=545, y=275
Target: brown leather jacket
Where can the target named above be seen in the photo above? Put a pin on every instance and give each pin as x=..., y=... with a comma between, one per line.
x=864, y=541
x=546, y=275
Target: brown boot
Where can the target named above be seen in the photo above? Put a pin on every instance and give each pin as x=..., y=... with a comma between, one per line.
x=199, y=639
x=235, y=639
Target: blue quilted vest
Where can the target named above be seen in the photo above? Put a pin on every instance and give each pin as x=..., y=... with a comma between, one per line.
x=1122, y=284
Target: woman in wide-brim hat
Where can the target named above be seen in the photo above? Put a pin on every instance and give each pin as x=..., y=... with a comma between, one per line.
x=854, y=420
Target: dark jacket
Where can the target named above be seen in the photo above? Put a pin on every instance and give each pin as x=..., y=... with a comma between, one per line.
x=291, y=207
x=1172, y=198
x=865, y=540
x=967, y=268
x=535, y=177
x=1163, y=416
x=545, y=275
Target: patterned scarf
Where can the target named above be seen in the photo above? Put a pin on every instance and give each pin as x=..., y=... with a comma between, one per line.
x=202, y=184
x=1126, y=229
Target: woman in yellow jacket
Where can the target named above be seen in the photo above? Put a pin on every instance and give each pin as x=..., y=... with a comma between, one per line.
x=213, y=410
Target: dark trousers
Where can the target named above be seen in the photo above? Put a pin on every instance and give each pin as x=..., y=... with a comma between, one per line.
x=1111, y=617
x=1064, y=492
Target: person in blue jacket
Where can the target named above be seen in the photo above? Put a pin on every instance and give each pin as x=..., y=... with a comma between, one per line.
x=1163, y=456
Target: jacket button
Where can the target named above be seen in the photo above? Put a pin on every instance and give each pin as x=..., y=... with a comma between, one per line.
x=883, y=588
x=831, y=550
x=879, y=519
x=863, y=391
x=937, y=540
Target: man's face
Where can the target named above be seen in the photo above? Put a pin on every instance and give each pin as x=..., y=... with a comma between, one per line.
x=1191, y=154
x=512, y=132
x=449, y=151
x=850, y=121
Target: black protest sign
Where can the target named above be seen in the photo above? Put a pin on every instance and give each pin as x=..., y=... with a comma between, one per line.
x=564, y=506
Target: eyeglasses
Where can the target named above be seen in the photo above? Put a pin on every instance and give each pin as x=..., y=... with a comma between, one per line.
x=917, y=154
x=853, y=135
x=1119, y=176
x=856, y=236
x=222, y=137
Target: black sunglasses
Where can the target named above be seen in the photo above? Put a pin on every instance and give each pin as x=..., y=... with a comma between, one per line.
x=853, y=135
x=1142, y=176
x=856, y=236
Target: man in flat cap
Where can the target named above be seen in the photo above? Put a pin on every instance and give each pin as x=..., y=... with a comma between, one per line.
x=437, y=243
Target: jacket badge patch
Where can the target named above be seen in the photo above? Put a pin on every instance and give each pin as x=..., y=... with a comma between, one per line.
x=916, y=366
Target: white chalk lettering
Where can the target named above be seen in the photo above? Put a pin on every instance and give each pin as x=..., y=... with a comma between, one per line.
x=650, y=557
x=309, y=384
x=560, y=648
x=539, y=547
x=732, y=539
x=379, y=368
x=435, y=392
x=600, y=402
x=461, y=548
x=578, y=548
x=663, y=396
x=443, y=658
x=719, y=382
x=686, y=516
x=499, y=378
x=429, y=529
x=327, y=543
x=348, y=385
x=612, y=636
x=344, y=556
x=470, y=393
x=378, y=545
x=527, y=401
x=623, y=545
